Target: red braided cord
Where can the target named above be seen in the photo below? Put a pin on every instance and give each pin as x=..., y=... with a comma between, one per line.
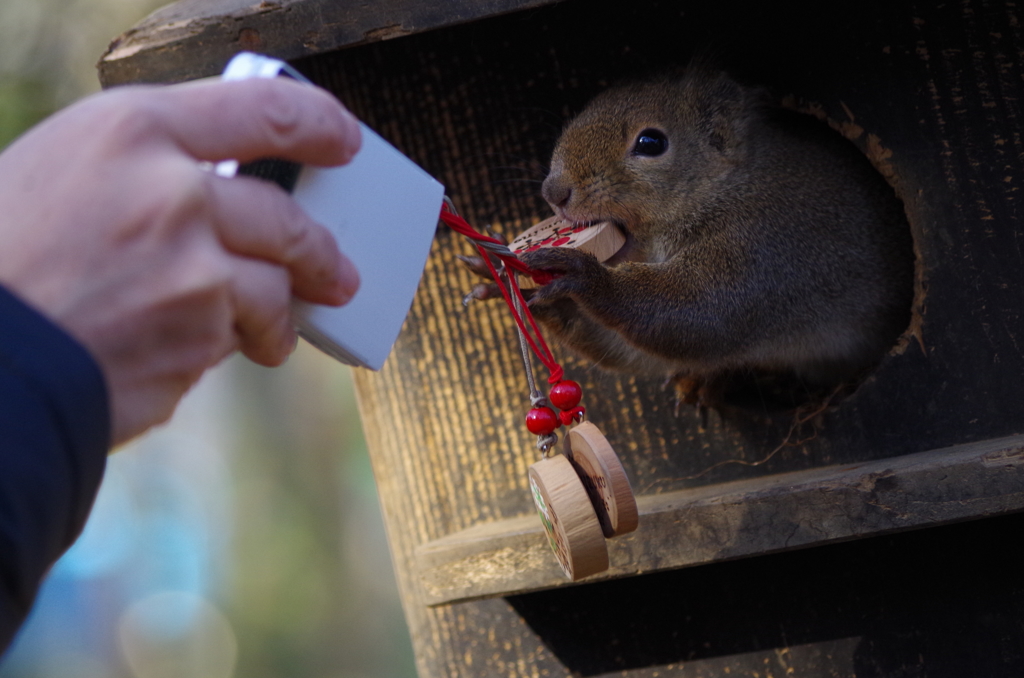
x=462, y=227
x=538, y=346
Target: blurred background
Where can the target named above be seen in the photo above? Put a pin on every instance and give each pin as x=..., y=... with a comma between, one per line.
x=244, y=538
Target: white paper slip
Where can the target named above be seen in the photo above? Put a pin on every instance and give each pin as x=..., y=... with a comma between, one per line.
x=383, y=210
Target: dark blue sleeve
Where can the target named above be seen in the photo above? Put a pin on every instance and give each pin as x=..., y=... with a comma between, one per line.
x=54, y=438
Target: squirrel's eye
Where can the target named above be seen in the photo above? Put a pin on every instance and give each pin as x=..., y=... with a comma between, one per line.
x=651, y=142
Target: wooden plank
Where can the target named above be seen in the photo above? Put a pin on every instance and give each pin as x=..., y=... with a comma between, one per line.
x=741, y=518
x=195, y=38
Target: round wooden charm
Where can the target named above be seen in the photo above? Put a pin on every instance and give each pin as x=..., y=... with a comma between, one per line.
x=574, y=532
x=602, y=239
x=604, y=478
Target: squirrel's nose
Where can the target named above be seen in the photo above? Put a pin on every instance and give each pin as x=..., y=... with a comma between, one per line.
x=556, y=192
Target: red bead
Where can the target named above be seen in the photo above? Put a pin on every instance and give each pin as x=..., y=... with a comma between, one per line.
x=542, y=421
x=566, y=394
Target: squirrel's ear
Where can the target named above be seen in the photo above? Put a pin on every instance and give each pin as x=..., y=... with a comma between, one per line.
x=729, y=106
x=723, y=130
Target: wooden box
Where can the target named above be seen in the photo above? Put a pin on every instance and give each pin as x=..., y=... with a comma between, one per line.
x=476, y=93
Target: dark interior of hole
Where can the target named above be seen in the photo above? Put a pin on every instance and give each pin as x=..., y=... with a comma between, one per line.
x=943, y=602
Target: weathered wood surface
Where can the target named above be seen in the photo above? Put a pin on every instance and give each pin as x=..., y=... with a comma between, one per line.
x=441, y=418
x=933, y=93
x=196, y=38
x=741, y=518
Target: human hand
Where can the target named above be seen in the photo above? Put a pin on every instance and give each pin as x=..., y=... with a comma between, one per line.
x=110, y=226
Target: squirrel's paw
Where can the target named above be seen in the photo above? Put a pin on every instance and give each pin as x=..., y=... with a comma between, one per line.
x=574, y=271
x=699, y=391
x=560, y=260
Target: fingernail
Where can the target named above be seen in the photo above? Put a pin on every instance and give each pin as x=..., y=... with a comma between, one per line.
x=353, y=134
x=347, y=282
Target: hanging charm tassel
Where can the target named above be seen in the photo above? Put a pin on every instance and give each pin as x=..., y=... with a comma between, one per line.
x=583, y=496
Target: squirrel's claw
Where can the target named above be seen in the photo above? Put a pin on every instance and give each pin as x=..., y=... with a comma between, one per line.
x=475, y=264
x=574, y=271
x=481, y=292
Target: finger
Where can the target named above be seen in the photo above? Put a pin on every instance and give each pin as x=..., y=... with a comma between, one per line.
x=250, y=119
x=257, y=219
x=261, y=298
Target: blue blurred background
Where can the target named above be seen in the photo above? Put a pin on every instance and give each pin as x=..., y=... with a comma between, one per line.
x=244, y=538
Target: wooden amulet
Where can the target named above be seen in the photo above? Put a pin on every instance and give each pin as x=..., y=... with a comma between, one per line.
x=573, y=529
x=605, y=480
x=602, y=239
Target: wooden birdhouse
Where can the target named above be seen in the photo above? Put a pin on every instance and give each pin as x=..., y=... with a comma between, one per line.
x=476, y=93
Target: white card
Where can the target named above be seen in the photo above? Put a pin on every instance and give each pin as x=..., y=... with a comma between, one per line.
x=383, y=211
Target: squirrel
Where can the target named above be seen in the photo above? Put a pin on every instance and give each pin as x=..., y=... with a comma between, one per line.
x=757, y=239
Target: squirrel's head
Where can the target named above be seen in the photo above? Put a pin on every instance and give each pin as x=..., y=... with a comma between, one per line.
x=641, y=154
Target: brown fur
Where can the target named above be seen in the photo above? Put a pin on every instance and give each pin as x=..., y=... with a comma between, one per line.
x=759, y=240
